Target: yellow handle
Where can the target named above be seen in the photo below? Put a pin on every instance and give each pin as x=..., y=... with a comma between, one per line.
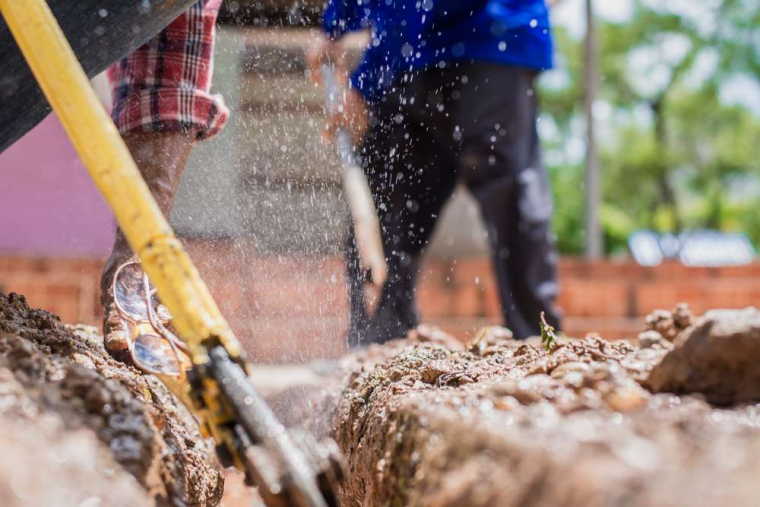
x=93, y=134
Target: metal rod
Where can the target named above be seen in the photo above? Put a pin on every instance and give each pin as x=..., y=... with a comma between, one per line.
x=262, y=427
x=594, y=240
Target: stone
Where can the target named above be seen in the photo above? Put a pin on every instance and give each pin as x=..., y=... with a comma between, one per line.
x=648, y=339
x=718, y=356
x=670, y=323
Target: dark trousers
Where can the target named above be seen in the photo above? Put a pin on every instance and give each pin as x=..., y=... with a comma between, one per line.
x=474, y=122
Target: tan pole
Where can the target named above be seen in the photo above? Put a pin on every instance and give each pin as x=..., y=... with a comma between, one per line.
x=594, y=241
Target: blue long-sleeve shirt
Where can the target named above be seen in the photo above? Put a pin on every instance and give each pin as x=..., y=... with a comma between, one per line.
x=409, y=35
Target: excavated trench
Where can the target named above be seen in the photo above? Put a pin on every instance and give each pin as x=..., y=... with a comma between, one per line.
x=80, y=429
x=670, y=418
x=667, y=419
x=428, y=422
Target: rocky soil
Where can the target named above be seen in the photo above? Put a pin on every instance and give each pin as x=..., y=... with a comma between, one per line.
x=717, y=356
x=670, y=418
x=427, y=421
x=80, y=429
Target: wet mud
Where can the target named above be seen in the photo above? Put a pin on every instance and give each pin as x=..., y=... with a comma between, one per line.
x=427, y=421
x=78, y=428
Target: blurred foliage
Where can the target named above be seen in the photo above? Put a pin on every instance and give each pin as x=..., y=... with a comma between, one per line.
x=675, y=155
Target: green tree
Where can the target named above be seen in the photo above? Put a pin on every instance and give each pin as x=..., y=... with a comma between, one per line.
x=674, y=155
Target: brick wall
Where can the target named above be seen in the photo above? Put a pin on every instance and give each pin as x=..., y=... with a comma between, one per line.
x=607, y=297
x=294, y=308
x=67, y=287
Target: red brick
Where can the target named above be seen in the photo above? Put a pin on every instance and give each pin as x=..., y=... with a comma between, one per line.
x=283, y=304
x=658, y=294
x=434, y=271
x=589, y=297
x=746, y=272
x=477, y=271
x=577, y=267
x=466, y=300
x=492, y=303
x=731, y=293
x=434, y=301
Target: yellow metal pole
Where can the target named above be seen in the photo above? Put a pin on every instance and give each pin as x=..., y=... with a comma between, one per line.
x=91, y=130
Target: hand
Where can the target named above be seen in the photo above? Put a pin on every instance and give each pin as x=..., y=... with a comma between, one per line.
x=326, y=52
x=351, y=112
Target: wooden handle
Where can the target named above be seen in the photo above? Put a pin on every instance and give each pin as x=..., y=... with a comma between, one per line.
x=366, y=223
x=358, y=195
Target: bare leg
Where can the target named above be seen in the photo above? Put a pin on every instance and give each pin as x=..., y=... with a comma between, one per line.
x=161, y=159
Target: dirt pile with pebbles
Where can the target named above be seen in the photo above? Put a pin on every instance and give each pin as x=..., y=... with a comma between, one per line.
x=716, y=356
x=670, y=418
x=78, y=428
x=427, y=421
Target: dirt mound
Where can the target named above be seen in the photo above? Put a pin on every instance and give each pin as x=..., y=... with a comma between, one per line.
x=669, y=324
x=425, y=421
x=508, y=423
x=717, y=356
x=83, y=429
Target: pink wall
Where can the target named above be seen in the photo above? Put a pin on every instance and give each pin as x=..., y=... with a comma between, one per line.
x=48, y=204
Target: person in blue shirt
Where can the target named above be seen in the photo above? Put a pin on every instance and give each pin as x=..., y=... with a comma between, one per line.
x=446, y=93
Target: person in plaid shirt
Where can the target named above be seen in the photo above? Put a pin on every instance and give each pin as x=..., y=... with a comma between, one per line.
x=162, y=107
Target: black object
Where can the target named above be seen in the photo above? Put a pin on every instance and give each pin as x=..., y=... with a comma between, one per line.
x=473, y=122
x=101, y=32
x=290, y=468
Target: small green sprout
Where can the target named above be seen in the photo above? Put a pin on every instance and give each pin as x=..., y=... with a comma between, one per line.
x=548, y=336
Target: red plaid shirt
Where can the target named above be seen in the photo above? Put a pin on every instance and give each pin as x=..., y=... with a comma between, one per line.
x=164, y=85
